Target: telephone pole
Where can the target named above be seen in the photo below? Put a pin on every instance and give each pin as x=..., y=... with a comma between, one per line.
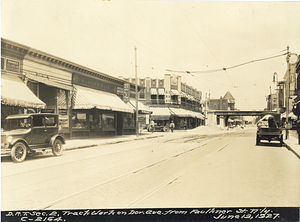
x=287, y=93
x=136, y=97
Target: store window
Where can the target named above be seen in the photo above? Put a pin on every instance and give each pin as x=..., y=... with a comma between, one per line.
x=129, y=120
x=96, y=121
x=108, y=121
x=2, y=63
x=79, y=120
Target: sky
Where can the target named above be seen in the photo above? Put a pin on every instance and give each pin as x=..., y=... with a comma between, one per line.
x=187, y=38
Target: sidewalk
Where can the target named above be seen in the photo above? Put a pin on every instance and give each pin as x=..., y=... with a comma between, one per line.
x=72, y=144
x=91, y=142
x=292, y=142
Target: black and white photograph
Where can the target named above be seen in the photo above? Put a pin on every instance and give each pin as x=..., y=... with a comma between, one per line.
x=148, y=110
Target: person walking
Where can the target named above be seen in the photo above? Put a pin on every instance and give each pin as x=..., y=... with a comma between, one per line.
x=172, y=126
x=298, y=130
x=152, y=125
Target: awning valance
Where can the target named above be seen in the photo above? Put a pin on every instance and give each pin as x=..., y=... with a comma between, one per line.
x=174, y=92
x=15, y=93
x=181, y=112
x=160, y=113
x=183, y=94
x=86, y=98
x=142, y=108
x=153, y=91
x=161, y=91
x=197, y=115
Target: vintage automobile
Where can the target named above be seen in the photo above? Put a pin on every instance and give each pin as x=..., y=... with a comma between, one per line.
x=269, y=128
x=32, y=133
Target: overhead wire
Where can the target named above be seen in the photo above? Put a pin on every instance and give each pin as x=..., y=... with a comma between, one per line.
x=204, y=42
x=224, y=69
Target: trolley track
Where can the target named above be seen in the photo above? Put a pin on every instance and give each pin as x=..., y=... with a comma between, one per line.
x=135, y=171
x=107, y=180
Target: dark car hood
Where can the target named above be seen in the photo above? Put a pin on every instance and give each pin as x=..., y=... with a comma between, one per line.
x=15, y=132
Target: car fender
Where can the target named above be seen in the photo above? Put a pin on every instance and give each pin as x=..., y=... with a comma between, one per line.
x=14, y=141
x=57, y=136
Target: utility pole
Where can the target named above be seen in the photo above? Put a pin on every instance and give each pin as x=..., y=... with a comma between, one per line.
x=275, y=75
x=136, y=97
x=287, y=93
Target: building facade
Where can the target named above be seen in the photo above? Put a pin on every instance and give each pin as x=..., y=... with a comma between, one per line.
x=227, y=102
x=89, y=103
x=170, y=99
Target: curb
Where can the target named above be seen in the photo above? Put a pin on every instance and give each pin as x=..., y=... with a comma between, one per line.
x=290, y=149
x=110, y=143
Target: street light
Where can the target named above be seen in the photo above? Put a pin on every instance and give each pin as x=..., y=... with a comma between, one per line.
x=275, y=80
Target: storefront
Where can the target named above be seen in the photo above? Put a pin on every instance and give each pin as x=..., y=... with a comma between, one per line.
x=17, y=98
x=161, y=116
x=97, y=110
x=143, y=115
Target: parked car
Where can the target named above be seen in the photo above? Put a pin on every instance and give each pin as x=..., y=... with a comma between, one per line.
x=269, y=128
x=24, y=134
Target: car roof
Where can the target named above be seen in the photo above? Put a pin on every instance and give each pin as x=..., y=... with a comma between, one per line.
x=29, y=114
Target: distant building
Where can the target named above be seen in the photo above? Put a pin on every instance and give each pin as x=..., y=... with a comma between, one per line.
x=272, y=102
x=227, y=102
x=170, y=99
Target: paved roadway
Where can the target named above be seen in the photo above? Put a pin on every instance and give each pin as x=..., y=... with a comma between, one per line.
x=177, y=170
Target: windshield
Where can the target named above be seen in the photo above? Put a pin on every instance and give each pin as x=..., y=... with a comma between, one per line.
x=21, y=123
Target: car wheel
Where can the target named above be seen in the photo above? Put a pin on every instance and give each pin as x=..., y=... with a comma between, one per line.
x=57, y=148
x=257, y=140
x=18, y=152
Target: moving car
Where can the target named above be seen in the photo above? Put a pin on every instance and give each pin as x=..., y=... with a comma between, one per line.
x=269, y=128
x=29, y=134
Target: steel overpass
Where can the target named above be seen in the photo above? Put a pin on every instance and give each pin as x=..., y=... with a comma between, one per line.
x=240, y=113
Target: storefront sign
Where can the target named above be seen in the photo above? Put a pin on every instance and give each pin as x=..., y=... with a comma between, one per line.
x=94, y=83
x=126, y=95
x=13, y=66
x=120, y=91
x=142, y=119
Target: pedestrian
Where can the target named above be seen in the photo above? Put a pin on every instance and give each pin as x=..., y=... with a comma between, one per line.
x=172, y=126
x=184, y=125
x=152, y=125
x=298, y=130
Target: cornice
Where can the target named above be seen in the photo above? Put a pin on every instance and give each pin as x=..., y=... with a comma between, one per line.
x=56, y=62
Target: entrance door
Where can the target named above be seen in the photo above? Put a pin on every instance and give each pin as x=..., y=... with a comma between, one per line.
x=119, y=123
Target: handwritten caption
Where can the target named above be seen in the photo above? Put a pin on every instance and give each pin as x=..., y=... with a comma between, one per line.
x=213, y=213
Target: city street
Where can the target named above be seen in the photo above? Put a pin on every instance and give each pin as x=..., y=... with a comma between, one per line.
x=180, y=169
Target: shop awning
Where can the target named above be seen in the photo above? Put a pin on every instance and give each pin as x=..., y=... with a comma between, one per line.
x=153, y=91
x=161, y=91
x=15, y=93
x=197, y=115
x=160, y=113
x=86, y=98
x=174, y=92
x=183, y=94
x=142, y=108
x=181, y=112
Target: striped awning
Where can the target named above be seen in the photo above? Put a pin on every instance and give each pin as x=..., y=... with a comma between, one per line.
x=183, y=94
x=197, y=115
x=142, y=108
x=174, y=92
x=15, y=93
x=181, y=112
x=161, y=91
x=160, y=113
x=86, y=98
x=153, y=91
